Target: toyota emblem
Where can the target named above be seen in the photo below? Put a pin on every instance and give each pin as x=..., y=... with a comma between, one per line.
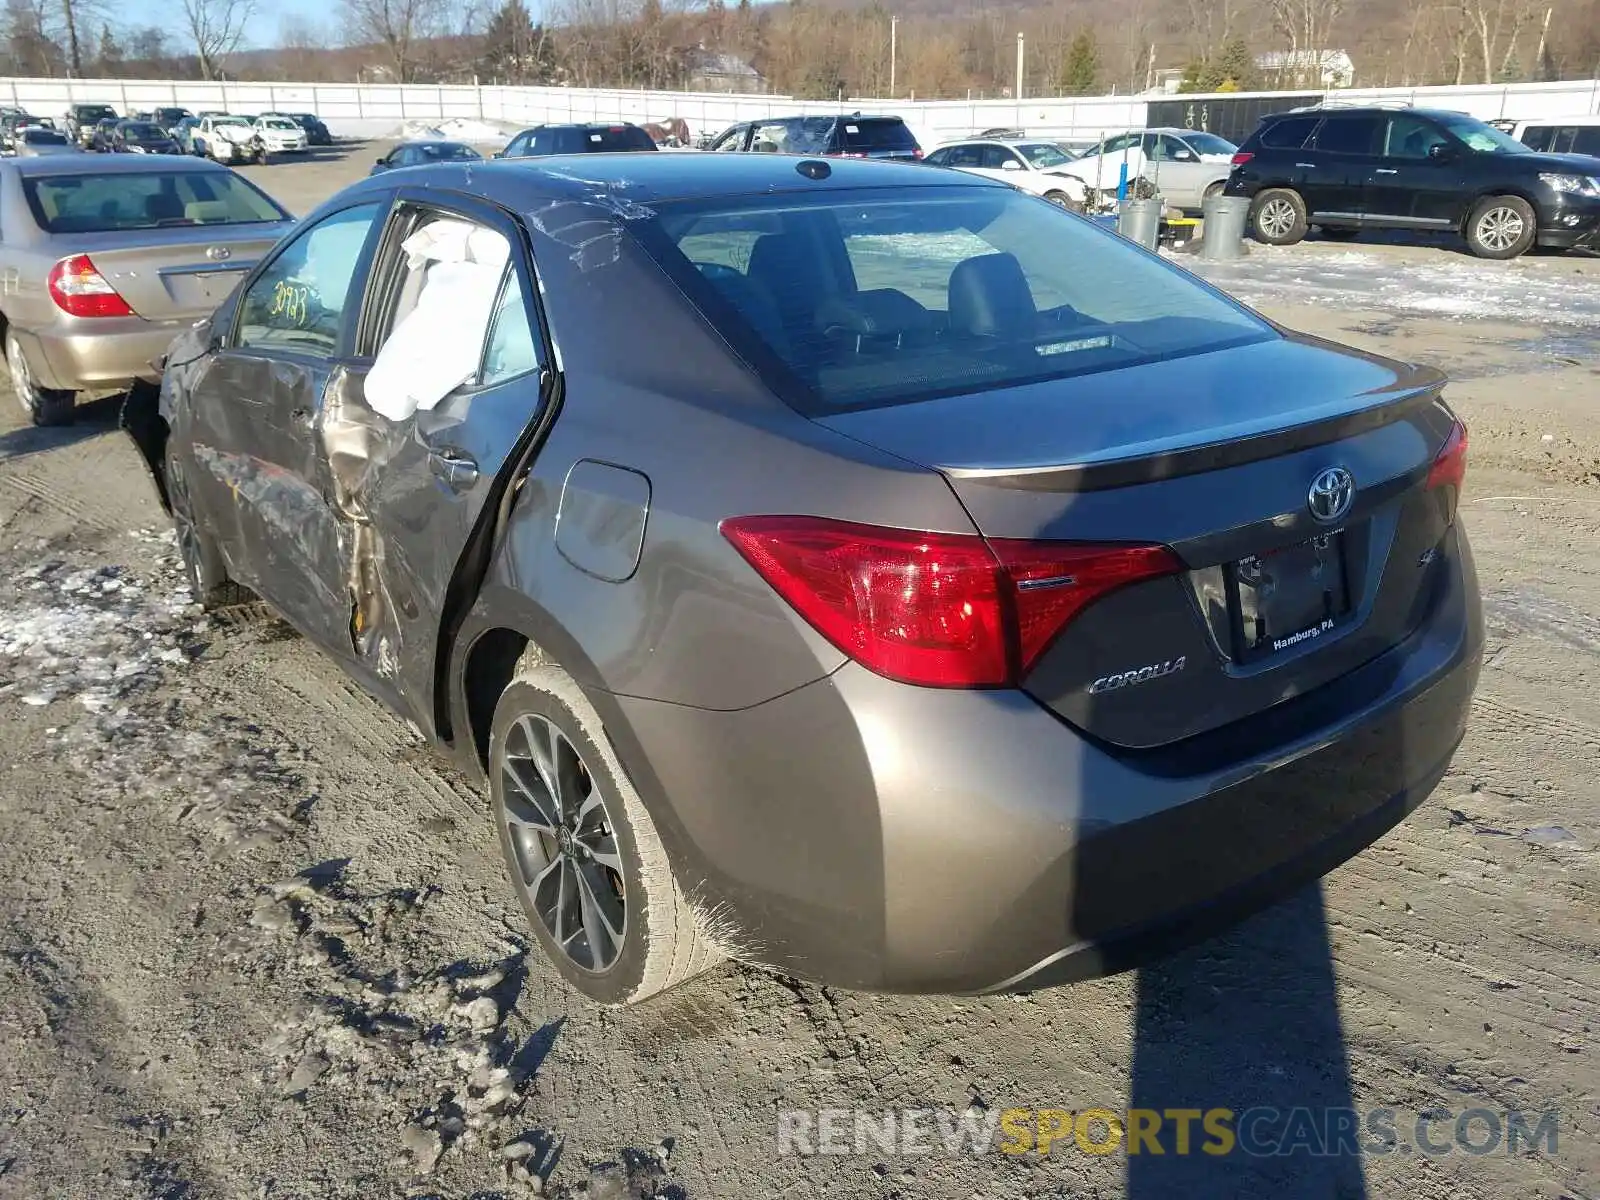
x=1332, y=492
x=219, y=253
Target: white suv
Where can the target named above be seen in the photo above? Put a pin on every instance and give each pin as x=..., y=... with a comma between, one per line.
x=1031, y=165
x=1560, y=135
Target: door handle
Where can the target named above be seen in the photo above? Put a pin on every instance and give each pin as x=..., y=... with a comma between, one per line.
x=1387, y=171
x=456, y=471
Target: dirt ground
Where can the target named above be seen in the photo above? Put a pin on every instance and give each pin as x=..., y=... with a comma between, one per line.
x=255, y=940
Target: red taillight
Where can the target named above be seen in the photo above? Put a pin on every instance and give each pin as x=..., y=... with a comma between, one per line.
x=1450, y=464
x=79, y=290
x=1241, y=158
x=935, y=609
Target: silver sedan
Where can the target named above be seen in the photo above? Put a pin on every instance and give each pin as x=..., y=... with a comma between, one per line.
x=104, y=260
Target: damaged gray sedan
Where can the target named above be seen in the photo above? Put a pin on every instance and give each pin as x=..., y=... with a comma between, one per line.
x=872, y=573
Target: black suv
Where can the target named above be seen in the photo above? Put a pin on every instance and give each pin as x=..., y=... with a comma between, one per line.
x=1348, y=169
x=852, y=136
x=576, y=139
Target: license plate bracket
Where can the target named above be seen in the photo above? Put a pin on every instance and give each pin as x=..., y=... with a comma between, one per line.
x=1283, y=599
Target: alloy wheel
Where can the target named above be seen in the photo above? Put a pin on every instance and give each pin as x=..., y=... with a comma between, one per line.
x=568, y=864
x=21, y=380
x=1500, y=228
x=1276, y=218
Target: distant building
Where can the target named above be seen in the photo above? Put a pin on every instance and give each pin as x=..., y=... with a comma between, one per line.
x=1306, y=68
x=715, y=71
x=1165, y=81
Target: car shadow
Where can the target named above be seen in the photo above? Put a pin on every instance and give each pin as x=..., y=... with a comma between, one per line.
x=1249, y=1022
x=91, y=419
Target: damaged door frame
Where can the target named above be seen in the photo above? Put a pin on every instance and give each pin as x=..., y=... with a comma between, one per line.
x=422, y=692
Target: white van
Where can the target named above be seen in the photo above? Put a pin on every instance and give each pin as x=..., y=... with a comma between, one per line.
x=1560, y=135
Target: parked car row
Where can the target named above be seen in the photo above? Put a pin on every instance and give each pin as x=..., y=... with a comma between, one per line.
x=228, y=138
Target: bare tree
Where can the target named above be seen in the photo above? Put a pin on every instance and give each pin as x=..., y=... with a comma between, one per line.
x=1304, y=26
x=1497, y=25
x=399, y=26
x=216, y=27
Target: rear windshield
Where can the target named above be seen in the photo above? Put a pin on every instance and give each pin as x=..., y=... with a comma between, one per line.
x=866, y=298
x=861, y=134
x=43, y=137
x=622, y=137
x=797, y=135
x=104, y=203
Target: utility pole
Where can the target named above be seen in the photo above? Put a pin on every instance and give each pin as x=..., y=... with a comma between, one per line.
x=1019, y=66
x=894, y=46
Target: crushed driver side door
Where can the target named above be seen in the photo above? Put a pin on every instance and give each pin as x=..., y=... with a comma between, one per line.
x=418, y=491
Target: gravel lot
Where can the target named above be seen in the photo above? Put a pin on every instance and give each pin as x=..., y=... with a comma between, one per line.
x=255, y=942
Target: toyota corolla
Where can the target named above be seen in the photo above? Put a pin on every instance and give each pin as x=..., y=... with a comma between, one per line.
x=873, y=573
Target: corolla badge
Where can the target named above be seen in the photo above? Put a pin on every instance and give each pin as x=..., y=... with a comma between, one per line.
x=1332, y=493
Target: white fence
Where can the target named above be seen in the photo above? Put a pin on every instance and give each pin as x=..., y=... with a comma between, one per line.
x=373, y=110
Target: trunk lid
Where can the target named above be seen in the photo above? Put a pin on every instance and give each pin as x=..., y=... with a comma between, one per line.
x=177, y=271
x=1214, y=455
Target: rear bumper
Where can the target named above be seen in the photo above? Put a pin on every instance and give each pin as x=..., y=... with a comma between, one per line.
x=111, y=354
x=876, y=836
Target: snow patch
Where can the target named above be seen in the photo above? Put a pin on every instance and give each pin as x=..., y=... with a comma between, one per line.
x=453, y=129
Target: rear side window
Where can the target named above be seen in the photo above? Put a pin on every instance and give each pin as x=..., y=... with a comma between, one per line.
x=104, y=203
x=876, y=135
x=1586, y=140
x=1538, y=137
x=1349, y=135
x=1288, y=134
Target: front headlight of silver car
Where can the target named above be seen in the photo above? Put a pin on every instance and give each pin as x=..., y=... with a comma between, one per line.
x=1572, y=185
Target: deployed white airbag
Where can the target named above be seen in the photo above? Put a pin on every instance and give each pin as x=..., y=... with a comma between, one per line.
x=436, y=347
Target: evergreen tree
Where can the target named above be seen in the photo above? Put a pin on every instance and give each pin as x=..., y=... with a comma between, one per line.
x=109, y=57
x=1081, y=71
x=515, y=50
x=1235, y=63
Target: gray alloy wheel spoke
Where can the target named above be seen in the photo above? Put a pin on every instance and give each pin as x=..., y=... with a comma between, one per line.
x=536, y=734
x=558, y=925
x=598, y=926
x=591, y=804
x=524, y=806
x=603, y=851
x=537, y=881
x=568, y=779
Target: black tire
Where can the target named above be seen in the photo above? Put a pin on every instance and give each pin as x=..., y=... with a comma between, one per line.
x=1063, y=200
x=1501, y=227
x=663, y=940
x=202, y=565
x=1278, y=217
x=1213, y=189
x=44, y=406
